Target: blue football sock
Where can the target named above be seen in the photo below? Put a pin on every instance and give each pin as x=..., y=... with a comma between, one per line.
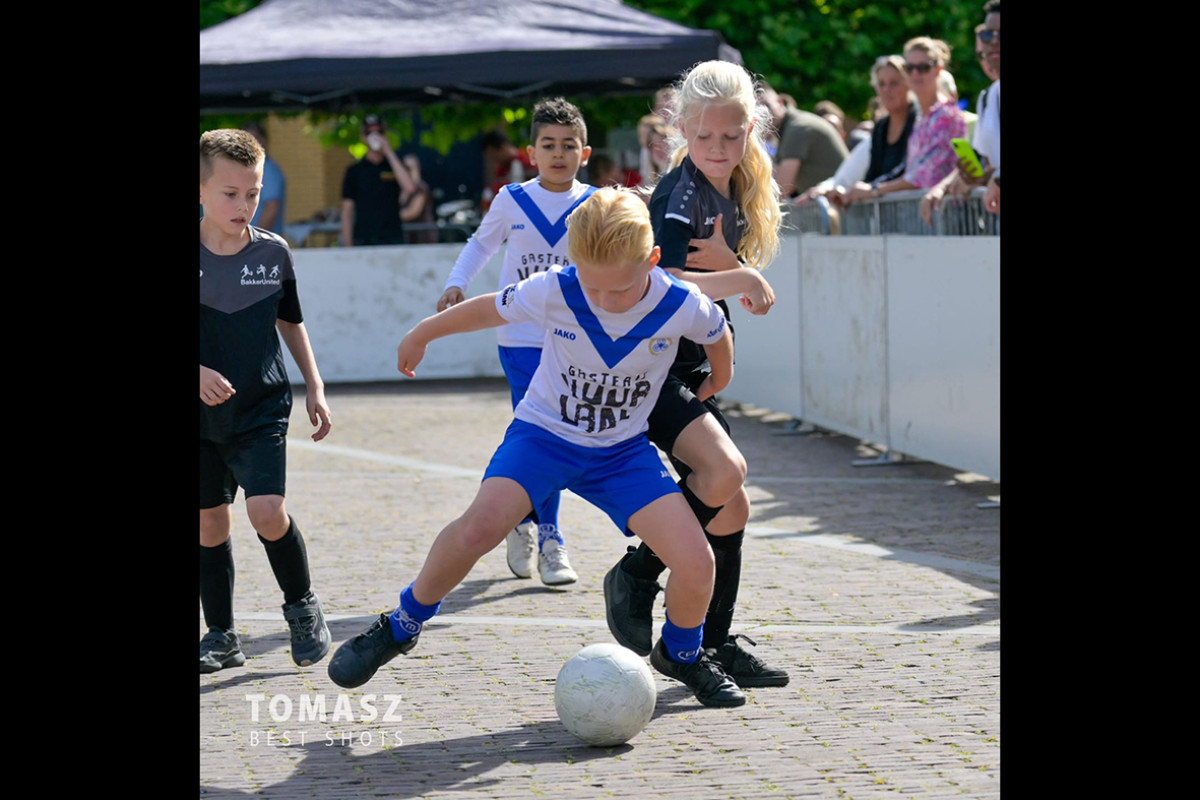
x=410, y=615
x=682, y=644
x=547, y=531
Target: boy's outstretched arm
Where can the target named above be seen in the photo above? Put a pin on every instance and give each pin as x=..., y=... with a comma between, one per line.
x=720, y=360
x=295, y=336
x=470, y=315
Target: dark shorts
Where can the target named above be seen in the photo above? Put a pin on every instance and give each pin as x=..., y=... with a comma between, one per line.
x=256, y=462
x=676, y=408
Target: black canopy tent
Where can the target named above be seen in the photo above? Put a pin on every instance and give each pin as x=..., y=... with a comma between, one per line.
x=289, y=55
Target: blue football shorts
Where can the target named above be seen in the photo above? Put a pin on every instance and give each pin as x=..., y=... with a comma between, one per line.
x=620, y=480
x=519, y=364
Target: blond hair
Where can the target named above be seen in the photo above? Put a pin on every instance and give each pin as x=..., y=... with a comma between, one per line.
x=610, y=229
x=726, y=83
x=238, y=146
x=937, y=50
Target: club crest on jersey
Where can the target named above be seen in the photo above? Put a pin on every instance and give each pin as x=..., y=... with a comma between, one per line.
x=660, y=345
x=506, y=297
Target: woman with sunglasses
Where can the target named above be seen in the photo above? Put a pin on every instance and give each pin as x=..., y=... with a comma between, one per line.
x=986, y=140
x=929, y=156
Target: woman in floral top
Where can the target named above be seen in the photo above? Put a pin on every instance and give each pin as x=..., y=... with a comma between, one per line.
x=930, y=157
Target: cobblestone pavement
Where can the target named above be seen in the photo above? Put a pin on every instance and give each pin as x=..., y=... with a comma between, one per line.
x=877, y=586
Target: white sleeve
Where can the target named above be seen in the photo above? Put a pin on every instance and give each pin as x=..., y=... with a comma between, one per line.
x=976, y=141
x=708, y=320
x=526, y=301
x=854, y=166
x=483, y=244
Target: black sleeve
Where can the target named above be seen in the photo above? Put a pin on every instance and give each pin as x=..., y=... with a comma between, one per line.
x=289, y=305
x=671, y=235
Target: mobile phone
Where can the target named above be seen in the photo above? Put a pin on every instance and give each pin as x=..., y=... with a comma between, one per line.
x=963, y=149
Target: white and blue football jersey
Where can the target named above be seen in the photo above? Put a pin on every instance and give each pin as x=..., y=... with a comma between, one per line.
x=601, y=372
x=531, y=223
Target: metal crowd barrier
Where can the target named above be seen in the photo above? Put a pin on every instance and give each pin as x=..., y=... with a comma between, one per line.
x=897, y=213
x=816, y=216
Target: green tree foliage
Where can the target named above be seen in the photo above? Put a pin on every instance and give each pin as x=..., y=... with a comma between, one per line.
x=823, y=49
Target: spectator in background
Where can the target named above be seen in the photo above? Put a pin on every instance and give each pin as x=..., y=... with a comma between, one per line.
x=419, y=208
x=928, y=155
x=948, y=88
x=649, y=165
x=373, y=190
x=810, y=149
x=272, y=201
x=503, y=163
x=602, y=171
x=883, y=155
x=986, y=141
x=657, y=145
x=832, y=113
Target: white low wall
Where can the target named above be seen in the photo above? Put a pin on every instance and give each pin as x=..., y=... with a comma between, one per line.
x=892, y=339
x=359, y=302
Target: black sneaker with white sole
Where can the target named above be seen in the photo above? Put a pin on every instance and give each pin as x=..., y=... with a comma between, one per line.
x=220, y=649
x=747, y=670
x=310, y=635
x=358, y=659
x=628, y=606
x=704, y=677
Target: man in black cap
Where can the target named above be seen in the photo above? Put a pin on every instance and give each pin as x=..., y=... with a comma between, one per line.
x=374, y=190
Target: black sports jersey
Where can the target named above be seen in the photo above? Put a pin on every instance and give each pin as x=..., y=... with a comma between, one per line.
x=685, y=206
x=241, y=297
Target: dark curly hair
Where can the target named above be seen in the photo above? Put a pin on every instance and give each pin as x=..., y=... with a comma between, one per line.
x=557, y=111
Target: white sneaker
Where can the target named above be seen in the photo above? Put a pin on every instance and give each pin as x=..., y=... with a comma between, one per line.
x=553, y=565
x=522, y=548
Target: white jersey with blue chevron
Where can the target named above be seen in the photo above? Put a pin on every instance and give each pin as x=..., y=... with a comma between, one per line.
x=531, y=223
x=600, y=372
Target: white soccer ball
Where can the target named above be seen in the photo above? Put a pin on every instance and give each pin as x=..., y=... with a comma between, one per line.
x=605, y=694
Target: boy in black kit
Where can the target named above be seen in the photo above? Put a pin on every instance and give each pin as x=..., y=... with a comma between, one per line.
x=247, y=292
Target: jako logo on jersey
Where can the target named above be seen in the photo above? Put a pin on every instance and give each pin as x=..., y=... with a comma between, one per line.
x=506, y=297
x=658, y=346
x=564, y=334
x=710, y=220
x=518, y=226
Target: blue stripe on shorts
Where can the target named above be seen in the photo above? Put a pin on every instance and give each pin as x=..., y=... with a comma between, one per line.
x=620, y=480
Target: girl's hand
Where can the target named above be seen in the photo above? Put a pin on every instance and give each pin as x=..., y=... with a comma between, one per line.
x=712, y=255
